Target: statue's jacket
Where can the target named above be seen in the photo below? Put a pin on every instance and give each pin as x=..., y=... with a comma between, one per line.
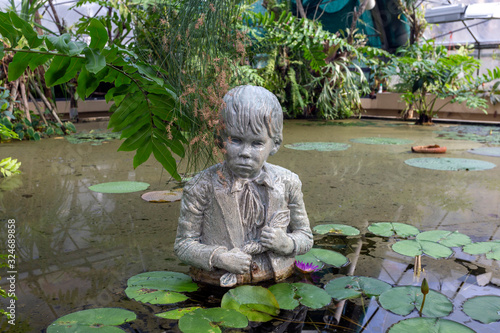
x=210, y=220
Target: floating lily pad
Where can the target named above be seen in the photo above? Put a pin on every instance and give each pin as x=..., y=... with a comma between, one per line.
x=403, y=300
x=256, y=303
x=382, y=141
x=484, y=134
x=486, y=151
x=446, y=238
x=94, y=137
x=159, y=287
x=412, y=248
x=119, y=187
x=318, y=146
x=491, y=249
x=210, y=320
x=177, y=313
x=336, y=229
x=348, y=287
x=389, y=229
x=163, y=196
x=290, y=295
x=426, y=325
x=485, y=309
x=321, y=256
x=100, y=319
x=449, y=164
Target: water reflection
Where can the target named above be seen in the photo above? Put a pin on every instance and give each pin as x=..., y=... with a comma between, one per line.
x=77, y=248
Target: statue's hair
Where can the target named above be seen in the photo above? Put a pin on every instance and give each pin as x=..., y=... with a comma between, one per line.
x=254, y=108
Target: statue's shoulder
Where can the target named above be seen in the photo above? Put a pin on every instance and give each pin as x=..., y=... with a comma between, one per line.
x=203, y=179
x=281, y=174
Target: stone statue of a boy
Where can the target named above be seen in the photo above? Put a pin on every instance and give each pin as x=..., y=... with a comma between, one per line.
x=243, y=220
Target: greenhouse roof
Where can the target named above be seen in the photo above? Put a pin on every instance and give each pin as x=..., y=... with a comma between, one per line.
x=469, y=22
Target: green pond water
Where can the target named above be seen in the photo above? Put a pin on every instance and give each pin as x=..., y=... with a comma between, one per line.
x=76, y=248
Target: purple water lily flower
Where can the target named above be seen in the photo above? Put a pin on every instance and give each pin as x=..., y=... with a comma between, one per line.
x=306, y=267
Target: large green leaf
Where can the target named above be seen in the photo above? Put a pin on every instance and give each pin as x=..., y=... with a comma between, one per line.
x=7, y=31
x=19, y=64
x=389, y=229
x=403, y=300
x=177, y=313
x=355, y=286
x=491, y=249
x=100, y=319
x=94, y=60
x=290, y=295
x=154, y=296
x=210, y=320
x=446, y=238
x=336, y=229
x=98, y=34
x=119, y=187
x=59, y=43
x=142, y=154
x=256, y=303
x=412, y=248
x=127, y=112
x=62, y=69
x=486, y=309
x=164, y=156
x=40, y=59
x=27, y=30
x=428, y=325
x=137, y=140
x=319, y=257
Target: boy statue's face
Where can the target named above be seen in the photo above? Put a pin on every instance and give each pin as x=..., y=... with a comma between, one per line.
x=247, y=152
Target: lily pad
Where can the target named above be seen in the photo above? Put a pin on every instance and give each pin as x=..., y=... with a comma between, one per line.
x=321, y=256
x=491, y=249
x=160, y=287
x=444, y=237
x=412, y=248
x=210, y=320
x=382, y=141
x=348, y=287
x=177, y=313
x=486, y=151
x=290, y=295
x=318, y=146
x=403, y=300
x=485, y=309
x=94, y=137
x=256, y=303
x=484, y=134
x=119, y=187
x=100, y=319
x=389, y=229
x=426, y=325
x=336, y=229
x=162, y=196
x=449, y=164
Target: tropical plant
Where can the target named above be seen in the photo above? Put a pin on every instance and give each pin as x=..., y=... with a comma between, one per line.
x=428, y=73
x=414, y=14
x=9, y=167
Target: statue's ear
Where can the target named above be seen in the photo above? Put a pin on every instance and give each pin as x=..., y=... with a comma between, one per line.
x=277, y=145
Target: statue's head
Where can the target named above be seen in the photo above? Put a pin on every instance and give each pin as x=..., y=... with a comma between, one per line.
x=253, y=126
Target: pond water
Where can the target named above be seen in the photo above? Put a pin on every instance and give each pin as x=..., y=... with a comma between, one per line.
x=77, y=248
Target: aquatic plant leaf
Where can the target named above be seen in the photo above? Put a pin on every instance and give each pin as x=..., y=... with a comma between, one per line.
x=336, y=229
x=177, y=313
x=444, y=237
x=426, y=325
x=449, y=164
x=95, y=137
x=163, y=280
x=255, y=302
x=403, y=300
x=318, y=146
x=154, y=296
x=290, y=295
x=486, y=151
x=100, y=319
x=412, y=248
x=389, y=229
x=355, y=286
x=210, y=320
x=119, y=187
x=491, y=249
x=484, y=134
x=382, y=141
x=485, y=309
x=162, y=196
x=321, y=256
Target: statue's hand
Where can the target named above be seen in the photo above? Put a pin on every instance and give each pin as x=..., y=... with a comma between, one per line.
x=276, y=240
x=234, y=261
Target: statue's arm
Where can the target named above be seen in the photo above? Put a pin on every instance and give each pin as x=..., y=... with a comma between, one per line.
x=299, y=229
x=188, y=246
